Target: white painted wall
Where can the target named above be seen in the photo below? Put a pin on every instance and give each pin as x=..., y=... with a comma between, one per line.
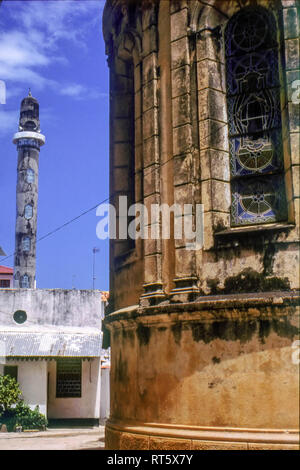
x=105, y=389
x=57, y=307
x=88, y=406
x=32, y=377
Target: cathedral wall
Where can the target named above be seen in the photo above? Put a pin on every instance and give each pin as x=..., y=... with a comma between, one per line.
x=202, y=339
x=181, y=148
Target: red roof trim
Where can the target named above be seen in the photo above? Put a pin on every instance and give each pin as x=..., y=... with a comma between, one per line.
x=6, y=270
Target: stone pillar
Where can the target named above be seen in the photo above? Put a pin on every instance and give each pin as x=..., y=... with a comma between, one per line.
x=214, y=151
x=290, y=105
x=153, y=286
x=166, y=141
x=183, y=148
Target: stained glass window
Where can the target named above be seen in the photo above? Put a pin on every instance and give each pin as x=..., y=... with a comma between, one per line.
x=254, y=118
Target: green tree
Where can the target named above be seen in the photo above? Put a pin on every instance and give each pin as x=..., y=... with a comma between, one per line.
x=10, y=393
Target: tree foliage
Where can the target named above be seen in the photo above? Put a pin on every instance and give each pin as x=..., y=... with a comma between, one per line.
x=10, y=393
x=13, y=411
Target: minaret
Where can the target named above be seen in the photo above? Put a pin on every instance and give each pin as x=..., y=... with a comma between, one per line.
x=28, y=140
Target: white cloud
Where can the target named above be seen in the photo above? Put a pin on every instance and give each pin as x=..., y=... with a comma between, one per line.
x=55, y=17
x=8, y=121
x=73, y=90
x=81, y=92
x=27, y=51
x=18, y=48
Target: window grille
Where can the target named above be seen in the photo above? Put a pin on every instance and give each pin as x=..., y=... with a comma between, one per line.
x=68, y=378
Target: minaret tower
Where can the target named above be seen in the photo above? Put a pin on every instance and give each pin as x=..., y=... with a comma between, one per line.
x=28, y=140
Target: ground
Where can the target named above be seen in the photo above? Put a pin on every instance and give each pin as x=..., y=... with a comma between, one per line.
x=55, y=439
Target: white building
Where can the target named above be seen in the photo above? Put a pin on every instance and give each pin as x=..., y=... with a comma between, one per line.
x=50, y=341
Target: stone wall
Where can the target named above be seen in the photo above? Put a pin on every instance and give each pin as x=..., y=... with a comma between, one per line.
x=218, y=374
x=170, y=56
x=201, y=339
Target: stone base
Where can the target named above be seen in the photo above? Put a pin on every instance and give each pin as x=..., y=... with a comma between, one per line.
x=153, y=294
x=185, y=290
x=217, y=373
x=171, y=437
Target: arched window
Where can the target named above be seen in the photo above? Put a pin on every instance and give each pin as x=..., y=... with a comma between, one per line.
x=30, y=175
x=26, y=243
x=24, y=282
x=254, y=118
x=28, y=211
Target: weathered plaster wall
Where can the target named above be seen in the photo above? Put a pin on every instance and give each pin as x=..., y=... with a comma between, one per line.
x=32, y=377
x=57, y=307
x=88, y=406
x=105, y=398
x=218, y=365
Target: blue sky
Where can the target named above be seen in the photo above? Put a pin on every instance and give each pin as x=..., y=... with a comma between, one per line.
x=56, y=48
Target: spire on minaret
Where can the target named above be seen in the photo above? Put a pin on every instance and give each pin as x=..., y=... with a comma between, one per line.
x=29, y=92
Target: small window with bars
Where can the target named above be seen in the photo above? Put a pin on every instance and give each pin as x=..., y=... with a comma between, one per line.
x=68, y=378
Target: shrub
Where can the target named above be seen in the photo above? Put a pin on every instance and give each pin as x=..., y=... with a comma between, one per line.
x=13, y=411
x=28, y=418
x=23, y=415
x=10, y=393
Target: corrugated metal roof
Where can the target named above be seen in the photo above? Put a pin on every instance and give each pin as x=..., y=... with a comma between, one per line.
x=25, y=344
